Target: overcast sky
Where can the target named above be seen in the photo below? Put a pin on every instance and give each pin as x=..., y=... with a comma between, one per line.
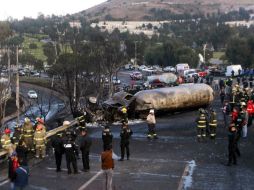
x=30, y=8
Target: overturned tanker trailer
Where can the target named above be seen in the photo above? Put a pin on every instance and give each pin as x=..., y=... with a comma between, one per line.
x=170, y=99
x=181, y=97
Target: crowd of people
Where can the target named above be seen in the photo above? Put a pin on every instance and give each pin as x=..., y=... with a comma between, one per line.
x=237, y=100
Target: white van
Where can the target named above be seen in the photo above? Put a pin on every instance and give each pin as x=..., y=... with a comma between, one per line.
x=234, y=68
x=181, y=67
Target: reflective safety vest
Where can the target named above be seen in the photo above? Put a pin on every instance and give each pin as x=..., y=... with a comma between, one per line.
x=5, y=141
x=213, y=120
x=28, y=130
x=39, y=138
x=202, y=121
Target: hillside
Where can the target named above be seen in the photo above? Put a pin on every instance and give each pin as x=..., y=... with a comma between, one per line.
x=149, y=9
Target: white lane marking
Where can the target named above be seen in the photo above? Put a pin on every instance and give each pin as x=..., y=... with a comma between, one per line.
x=91, y=180
x=4, y=182
x=38, y=187
x=186, y=179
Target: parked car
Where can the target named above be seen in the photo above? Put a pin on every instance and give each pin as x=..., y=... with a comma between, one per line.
x=129, y=67
x=141, y=67
x=169, y=69
x=32, y=94
x=136, y=75
x=22, y=73
x=115, y=80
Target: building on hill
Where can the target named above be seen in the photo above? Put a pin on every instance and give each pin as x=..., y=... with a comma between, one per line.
x=149, y=28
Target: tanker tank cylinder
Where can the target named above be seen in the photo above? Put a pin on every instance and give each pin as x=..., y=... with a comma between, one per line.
x=185, y=96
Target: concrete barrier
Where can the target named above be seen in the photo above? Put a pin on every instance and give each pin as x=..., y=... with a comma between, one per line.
x=49, y=134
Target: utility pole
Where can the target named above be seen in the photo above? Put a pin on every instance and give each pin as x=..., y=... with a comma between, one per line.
x=17, y=85
x=135, y=61
x=204, y=51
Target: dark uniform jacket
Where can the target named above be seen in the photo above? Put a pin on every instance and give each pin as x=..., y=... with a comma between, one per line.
x=70, y=149
x=57, y=144
x=125, y=135
x=107, y=137
x=85, y=143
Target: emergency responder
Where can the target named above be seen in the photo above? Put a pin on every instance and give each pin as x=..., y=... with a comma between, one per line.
x=58, y=150
x=28, y=133
x=40, y=142
x=124, y=114
x=240, y=122
x=151, y=122
x=125, y=135
x=201, y=125
x=232, y=145
x=107, y=137
x=22, y=151
x=17, y=135
x=70, y=149
x=213, y=124
x=41, y=122
x=6, y=140
x=84, y=146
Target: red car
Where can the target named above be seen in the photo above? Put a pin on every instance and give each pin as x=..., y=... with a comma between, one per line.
x=202, y=73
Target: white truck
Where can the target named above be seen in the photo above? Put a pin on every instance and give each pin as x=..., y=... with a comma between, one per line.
x=234, y=68
x=181, y=67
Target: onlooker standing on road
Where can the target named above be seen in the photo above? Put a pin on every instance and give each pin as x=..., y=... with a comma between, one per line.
x=222, y=95
x=232, y=145
x=85, y=144
x=107, y=165
x=151, y=124
x=125, y=135
x=21, y=176
x=22, y=151
x=12, y=166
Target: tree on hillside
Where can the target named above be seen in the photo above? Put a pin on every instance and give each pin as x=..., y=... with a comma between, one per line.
x=239, y=52
x=50, y=52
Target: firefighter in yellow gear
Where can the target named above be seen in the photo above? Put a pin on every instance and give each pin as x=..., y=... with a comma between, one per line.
x=41, y=122
x=6, y=140
x=213, y=124
x=28, y=133
x=124, y=114
x=40, y=142
x=201, y=125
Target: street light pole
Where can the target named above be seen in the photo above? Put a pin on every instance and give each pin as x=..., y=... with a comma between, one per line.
x=17, y=85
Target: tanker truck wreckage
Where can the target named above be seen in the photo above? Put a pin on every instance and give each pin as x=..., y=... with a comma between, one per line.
x=169, y=99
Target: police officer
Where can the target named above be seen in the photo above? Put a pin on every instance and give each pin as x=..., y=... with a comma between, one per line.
x=107, y=137
x=28, y=133
x=57, y=144
x=213, y=124
x=17, y=135
x=85, y=144
x=232, y=135
x=40, y=142
x=125, y=135
x=70, y=149
x=201, y=125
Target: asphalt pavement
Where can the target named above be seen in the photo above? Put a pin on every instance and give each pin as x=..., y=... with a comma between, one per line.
x=174, y=161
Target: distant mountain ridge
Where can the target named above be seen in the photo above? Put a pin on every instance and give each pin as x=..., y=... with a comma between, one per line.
x=137, y=10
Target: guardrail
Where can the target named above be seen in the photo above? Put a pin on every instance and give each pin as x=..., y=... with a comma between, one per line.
x=49, y=134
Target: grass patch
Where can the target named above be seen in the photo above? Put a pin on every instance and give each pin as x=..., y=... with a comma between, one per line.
x=218, y=55
x=38, y=52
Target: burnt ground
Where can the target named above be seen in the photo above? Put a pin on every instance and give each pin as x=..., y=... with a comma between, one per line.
x=174, y=161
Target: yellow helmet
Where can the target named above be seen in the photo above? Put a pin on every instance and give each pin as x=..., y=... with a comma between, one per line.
x=124, y=110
